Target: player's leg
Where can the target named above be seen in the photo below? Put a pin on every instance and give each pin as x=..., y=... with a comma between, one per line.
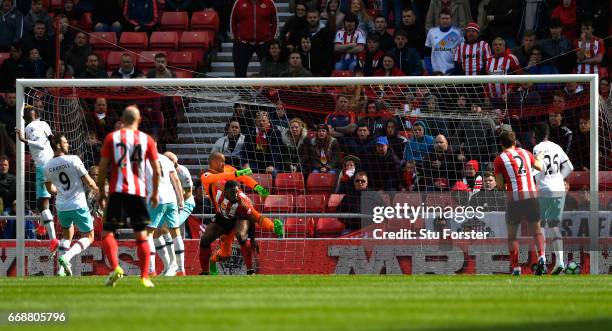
x=179, y=249
x=554, y=221
x=84, y=221
x=242, y=229
x=531, y=209
x=64, y=246
x=170, y=220
x=140, y=219
x=513, y=247
x=156, y=215
x=42, y=203
x=113, y=218
x=212, y=232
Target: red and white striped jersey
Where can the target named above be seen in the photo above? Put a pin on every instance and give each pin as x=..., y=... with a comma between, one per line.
x=234, y=211
x=473, y=57
x=127, y=151
x=591, y=48
x=516, y=167
x=502, y=65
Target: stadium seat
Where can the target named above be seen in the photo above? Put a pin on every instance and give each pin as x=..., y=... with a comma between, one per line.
x=164, y=40
x=264, y=180
x=405, y=134
x=578, y=179
x=334, y=202
x=321, y=183
x=289, y=183
x=146, y=60
x=174, y=21
x=605, y=180
x=439, y=199
x=257, y=200
x=185, y=60
x=279, y=204
x=103, y=40
x=113, y=59
x=342, y=73
x=411, y=199
x=329, y=228
x=205, y=20
x=134, y=40
x=195, y=40
x=183, y=74
x=310, y=203
x=86, y=22
x=3, y=57
x=296, y=227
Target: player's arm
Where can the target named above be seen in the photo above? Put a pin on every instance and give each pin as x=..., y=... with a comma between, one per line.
x=566, y=166
x=89, y=182
x=50, y=187
x=252, y=184
x=498, y=167
x=210, y=178
x=499, y=179
x=537, y=161
x=178, y=190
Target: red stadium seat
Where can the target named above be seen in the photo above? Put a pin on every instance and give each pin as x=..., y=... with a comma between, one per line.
x=578, y=179
x=195, y=40
x=134, y=40
x=205, y=20
x=103, y=40
x=86, y=22
x=3, y=57
x=411, y=199
x=185, y=60
x=257, y=200
x=174, y=21
x=279, y=204
x=310, y=203
x=329, y=227
x=334, y=202
x=342, y=73
x=289, y=183
x=321, y=183
x=299, y=227
x=146, y=60
x=605, y=180
x=439, y=199
x=113, y=59
x=164, y=40
x=183, y=74
x=264, y=180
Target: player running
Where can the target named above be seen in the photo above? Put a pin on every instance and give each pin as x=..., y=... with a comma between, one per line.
x=174, y=235
x=125, y=151
x=513, y=172
x=37, y=134
x=551, y=188
x=213, y=182
x=166, y=213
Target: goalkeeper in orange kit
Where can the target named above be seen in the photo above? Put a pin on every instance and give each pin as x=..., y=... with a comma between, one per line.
x=234, y=213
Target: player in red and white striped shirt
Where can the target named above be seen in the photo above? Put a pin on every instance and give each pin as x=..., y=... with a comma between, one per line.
x=501, y=63
x=514, y=173
x=590, y=50
x=125, y=151
x=471, y=56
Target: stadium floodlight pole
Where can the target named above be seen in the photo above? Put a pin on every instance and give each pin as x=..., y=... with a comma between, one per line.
x=594, y=251
x=20, y=222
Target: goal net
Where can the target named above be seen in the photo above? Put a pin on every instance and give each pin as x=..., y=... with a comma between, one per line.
x=426, y=140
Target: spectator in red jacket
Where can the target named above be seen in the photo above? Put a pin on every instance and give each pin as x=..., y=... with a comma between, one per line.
x=140, y=15
x=253, y=23
x=565, y=12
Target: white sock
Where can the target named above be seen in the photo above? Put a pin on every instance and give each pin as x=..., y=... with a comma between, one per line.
x=47, y=219
x=160, y=248
x=169, y=247
x=152, y=255
x=78, y=247
x=63, y=248
x=557, y=245
x=179, y=249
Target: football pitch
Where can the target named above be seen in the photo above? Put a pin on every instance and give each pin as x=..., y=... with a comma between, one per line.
x=315, y=303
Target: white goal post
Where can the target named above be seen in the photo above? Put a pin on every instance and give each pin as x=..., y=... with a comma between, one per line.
x=23, y=84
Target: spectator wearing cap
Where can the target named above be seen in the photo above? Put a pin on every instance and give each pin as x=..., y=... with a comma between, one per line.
x=349, y=42
x=472, y=54
x=441, y=43
x=373, y=56
x=324, y=152
x=350, y=165
x=406, y=58
x=459, y=9
x=380, y=30
x=389, y=68
x=420, y=144
x=383, y=166
x=557, y=47
x=471, y=181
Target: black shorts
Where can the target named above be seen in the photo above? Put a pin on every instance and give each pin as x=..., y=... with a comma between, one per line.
x=225, y=223
x=126, y=210
x=528, y=209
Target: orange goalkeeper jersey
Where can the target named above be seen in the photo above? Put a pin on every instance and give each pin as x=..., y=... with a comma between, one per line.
x=213, y=182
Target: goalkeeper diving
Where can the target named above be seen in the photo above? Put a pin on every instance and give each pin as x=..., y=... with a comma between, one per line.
x=235, y=214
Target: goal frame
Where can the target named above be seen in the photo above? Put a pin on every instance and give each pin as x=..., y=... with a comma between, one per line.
x=592, y=79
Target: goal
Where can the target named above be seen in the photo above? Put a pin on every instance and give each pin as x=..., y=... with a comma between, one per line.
x=298, y=136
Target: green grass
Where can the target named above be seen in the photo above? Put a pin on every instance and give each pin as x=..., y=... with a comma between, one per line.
x=317, y=303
